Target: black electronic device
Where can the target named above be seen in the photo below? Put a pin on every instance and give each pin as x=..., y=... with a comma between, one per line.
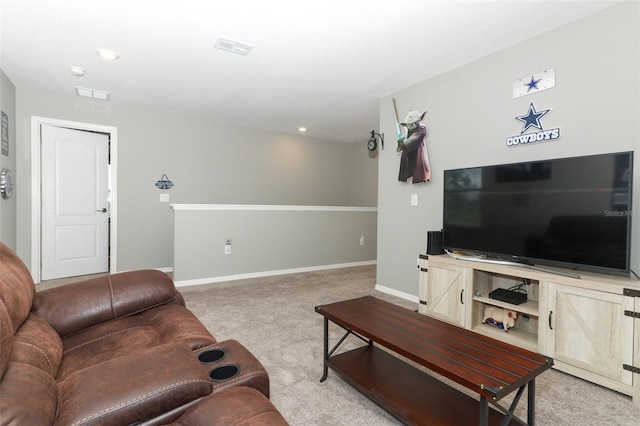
x=567, y=212
x=509, y=296
x=434, y=242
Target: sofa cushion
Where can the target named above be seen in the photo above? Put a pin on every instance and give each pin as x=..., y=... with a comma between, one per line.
x=164, y=324
x=28, y=391
x=28, y=396
x=16, y=296
x=16, y=286
x=37, y=344
x=79, y=306
x=6, y=338
x=132, y=388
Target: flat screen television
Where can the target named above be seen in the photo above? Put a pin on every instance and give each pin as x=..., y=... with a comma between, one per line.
x=568, y=212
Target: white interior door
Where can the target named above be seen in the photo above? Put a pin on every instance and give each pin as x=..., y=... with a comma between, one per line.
x=75, y=207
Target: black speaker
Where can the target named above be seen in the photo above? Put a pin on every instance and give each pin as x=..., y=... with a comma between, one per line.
x=434, y=242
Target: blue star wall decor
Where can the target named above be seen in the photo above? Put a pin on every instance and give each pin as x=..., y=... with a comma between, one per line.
x=532, y=118
x=534, y=83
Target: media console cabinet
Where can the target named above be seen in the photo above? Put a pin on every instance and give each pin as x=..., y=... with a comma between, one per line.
x=589, y=325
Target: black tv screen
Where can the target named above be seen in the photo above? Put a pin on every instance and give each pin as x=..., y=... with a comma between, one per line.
x=568, y=212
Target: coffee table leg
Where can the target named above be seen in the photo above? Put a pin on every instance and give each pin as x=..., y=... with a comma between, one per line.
x=531, y=403
x=325, y=355
x=484, y=411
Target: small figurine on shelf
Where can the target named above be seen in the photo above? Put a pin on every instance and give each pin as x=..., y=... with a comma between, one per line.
x=495, y=315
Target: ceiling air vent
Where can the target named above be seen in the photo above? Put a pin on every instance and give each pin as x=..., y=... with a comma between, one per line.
x=232, y=46
x=92, y=93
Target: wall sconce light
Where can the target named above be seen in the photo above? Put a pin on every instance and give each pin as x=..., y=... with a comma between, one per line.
x=372, y=145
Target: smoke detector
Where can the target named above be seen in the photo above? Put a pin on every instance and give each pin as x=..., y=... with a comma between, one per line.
x=232, y=46
x=77, y=71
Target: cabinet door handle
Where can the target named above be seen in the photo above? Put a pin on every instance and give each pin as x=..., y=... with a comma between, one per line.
x=462, y=294
x=550, y=313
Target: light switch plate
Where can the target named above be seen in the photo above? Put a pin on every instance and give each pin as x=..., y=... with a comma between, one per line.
x=164, y=198
x=414, y=199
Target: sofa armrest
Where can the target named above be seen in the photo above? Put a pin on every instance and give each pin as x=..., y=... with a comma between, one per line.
x=133, y=388
x=75, y=307
x=235, y=406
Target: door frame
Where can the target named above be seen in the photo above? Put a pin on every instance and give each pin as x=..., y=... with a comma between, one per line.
x=36, y=195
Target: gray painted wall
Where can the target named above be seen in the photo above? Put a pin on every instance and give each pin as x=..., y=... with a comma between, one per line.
x=209, y=162
x=267, y=239
x=596, y=103
x=8, y=208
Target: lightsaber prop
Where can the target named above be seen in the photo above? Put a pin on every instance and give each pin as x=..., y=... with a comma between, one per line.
x=399, y=133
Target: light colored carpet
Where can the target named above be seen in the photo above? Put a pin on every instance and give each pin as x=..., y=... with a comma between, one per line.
x=274, y=318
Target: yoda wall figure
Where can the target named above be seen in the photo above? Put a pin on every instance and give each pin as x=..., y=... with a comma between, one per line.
x=414, y=160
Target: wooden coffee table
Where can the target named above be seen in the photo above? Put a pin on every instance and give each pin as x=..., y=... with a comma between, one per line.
x=489, y=368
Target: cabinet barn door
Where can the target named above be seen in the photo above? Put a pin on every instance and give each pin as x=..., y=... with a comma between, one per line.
x=445, y=294
x=591, y=332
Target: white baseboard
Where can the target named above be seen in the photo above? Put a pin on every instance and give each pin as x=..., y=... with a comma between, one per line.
x=400, y=294
x=211, y=280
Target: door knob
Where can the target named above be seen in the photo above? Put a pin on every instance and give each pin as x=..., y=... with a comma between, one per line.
x=104, y=210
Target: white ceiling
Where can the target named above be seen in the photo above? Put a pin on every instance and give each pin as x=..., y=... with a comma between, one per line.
x=320, y=64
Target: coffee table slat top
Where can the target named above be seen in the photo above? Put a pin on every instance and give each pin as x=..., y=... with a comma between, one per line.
x=487, y=366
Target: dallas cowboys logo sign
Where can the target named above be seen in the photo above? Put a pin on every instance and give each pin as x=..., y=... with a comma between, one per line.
x=529, y=120
x=533, y=84
x=532, y=118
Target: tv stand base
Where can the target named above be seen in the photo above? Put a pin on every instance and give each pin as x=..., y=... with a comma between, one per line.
x=589, y=324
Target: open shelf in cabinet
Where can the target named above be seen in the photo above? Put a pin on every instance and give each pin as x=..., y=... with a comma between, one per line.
x=530, y=307
x=525, y=331
x=521, y=337
x=485, y=282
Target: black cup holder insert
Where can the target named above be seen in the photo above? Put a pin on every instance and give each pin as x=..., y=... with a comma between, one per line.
x=224, y=372
x=211, y=356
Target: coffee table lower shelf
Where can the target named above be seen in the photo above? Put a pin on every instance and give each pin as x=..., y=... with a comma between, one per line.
x=412, y=396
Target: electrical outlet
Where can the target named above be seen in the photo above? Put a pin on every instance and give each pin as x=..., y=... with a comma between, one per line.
x=227, y=247
x=362, y=240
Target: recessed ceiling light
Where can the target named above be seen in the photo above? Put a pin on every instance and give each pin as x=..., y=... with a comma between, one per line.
x=92, y=93
x=77, y=71
x=107, y=54
x=302, y=129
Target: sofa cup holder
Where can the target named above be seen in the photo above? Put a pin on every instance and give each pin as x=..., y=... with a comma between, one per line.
x=224, y=372
x=212, y=355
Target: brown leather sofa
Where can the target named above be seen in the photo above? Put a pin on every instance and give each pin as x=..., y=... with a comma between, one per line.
x=118, y=350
